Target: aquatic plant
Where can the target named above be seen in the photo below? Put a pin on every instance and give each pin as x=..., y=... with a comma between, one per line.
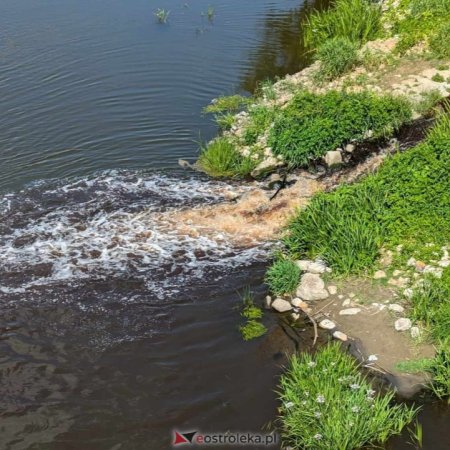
x=336, y=56
x=227, y=104
x=283, y=276
x=356, y=20
x=210, y=13
x=313, y=124
x=221, y=159
x=440, y=371
x=326, y=403
x=253, y=328
x=162, y=15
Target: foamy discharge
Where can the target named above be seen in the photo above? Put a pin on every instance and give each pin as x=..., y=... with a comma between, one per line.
x=113, y=225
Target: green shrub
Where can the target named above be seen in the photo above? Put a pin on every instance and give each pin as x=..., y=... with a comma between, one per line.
x=439, y=42
x=327, y=404
x=406, y=202
x=260, y=119
x=438, y=78
x=283, y=277
x=336, y=56
x=357, y=20
x=221, y=159
x=313, y=124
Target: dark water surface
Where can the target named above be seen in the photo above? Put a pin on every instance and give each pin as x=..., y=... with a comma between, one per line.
x=118, y=324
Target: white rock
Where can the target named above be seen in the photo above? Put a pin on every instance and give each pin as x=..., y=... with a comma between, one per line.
x=268, y=302
x=444, y=262
x=299, y=303
x=317, y=267
x=372, y=358
x=327, y=324
x=332, y=290
x=352, y=295
x=281, y=305
x=396, y=308
x=408, y=293
x=396, y=273
x=333, y=158
x=266, y=165
x=350, y=148
x=403, y=324
x=379, y=274
x=340, y=296
x=411, y=262
x=346, y=302
x=312, y=287
x=349, y=312
x=340, y=336
x=415, y=332
x=303, y=264
x=436, y=271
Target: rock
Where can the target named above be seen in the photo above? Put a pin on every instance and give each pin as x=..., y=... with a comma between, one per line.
x=281, y=305
x=303, y=264
x=415, y=332
x=299, y=303
x=400, y=282
x=184, y=164
x=333, y=158
x=327, y=324
x=312, y=287
x=372, y=358
x=408, y=293
x=350, y=148
x=403, y=324
x=444, y=262
x=420, y=266
x=340, y=296
x=332, y=290
x=379, y=274
x=386, y=258
x=268, y=302
x=411, y=262
x=396, y=308
x=266, y=165
x=350, y=312
x=346, y=302
x=397, y=273
x=317, y=267
x=436, y=271
x=274, y=177
x=352, y=295
x=340, y=336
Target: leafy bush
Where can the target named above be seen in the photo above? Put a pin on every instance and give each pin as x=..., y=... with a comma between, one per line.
x=327, y=404
x=283, y=277
x=407, y=201
x=313, y=124
x=357, y=20
x=221, y=159
x=336, y=56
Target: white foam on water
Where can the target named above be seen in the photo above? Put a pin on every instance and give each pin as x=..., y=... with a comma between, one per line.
x=107, y=233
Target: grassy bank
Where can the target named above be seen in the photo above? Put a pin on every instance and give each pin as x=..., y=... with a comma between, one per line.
x=328, y=404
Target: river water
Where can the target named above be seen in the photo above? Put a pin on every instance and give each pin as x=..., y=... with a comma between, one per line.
x=117, y=324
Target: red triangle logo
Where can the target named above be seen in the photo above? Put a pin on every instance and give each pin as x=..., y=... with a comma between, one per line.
x=180, y=439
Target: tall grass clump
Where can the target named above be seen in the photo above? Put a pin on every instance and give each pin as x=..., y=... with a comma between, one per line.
x=326, y=403
x=221, y=159
x=224, y=109
x=260, y=119
x=252, y=328
x=313, y=124
x=406, y=202
x=357, y=20
x=431, y=305
x=440, y=370
x=336, y=56
x=283, y=277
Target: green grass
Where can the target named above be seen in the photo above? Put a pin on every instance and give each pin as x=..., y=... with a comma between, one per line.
x=415, y=365
x=423, y=21
x=326, y=403
x=221, y=159
x=336, y=56
x=260, y=118
x=438, y=78
x=431, y=305
x=406, y=202
x=357, y=20
x=429, y=100
x=313, y=124
x=283, y=277
x=441, y=373
x=227, y=104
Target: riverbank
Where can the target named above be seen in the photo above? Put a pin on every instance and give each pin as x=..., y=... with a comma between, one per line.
x=369, y=261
